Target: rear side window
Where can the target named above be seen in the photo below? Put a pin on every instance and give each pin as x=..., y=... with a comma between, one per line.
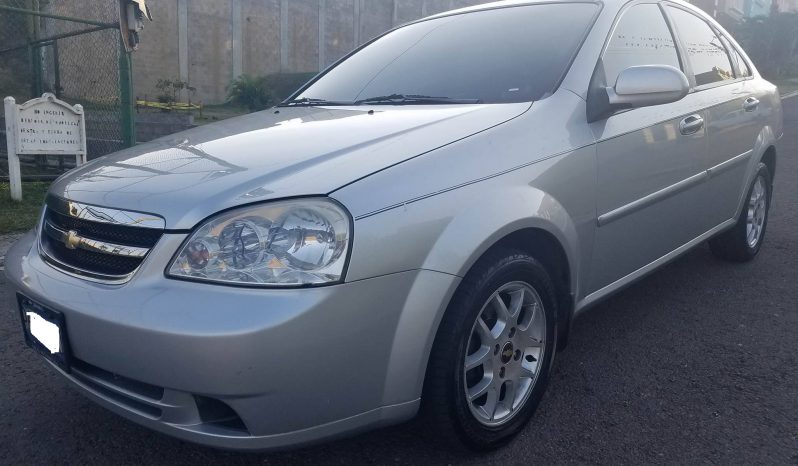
x=745, y=71
x=706, y=52
x=641, y=38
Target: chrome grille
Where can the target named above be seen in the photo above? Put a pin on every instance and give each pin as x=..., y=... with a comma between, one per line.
x=96, y=243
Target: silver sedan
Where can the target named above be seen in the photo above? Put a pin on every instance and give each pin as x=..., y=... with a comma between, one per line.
x=413, y=231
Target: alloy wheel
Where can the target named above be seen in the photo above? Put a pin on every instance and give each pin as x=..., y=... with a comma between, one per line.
x=757, y=211
x=504, y=353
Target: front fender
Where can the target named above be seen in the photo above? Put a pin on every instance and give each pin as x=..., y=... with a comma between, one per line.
x=494, y=216
x=447, y=233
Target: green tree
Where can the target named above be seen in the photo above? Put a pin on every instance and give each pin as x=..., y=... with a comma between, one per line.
x=771, y=42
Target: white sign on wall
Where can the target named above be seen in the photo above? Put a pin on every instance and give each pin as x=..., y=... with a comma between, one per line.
x=44, y=125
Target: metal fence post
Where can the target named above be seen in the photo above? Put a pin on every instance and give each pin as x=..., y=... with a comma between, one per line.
x=33, y=49
x=126, y=99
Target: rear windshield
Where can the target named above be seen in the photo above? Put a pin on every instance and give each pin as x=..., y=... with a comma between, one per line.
x=504, y=55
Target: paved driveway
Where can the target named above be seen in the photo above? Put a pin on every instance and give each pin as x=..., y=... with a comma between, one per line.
x=697, y=363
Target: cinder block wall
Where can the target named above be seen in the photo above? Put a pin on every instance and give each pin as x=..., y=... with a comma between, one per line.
x=210, y=42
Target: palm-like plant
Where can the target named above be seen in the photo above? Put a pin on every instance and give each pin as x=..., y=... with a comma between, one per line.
x=251, y=92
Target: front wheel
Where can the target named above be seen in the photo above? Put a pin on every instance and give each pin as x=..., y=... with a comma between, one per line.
x=742, y=242
x=492, y=356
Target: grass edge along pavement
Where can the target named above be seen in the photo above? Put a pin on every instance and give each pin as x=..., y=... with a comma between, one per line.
x=16, y=217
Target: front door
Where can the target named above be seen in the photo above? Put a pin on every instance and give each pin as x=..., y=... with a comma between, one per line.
x=647, y=174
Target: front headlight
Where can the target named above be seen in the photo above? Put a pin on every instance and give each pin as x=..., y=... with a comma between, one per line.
x=284, y=243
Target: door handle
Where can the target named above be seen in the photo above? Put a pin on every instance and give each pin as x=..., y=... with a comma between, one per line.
x=691, y=125
x=750, y=104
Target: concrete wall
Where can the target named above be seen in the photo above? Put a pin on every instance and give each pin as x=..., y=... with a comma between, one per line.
x=210, y=42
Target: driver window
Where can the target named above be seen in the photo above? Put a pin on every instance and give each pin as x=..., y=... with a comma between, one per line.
x=641, y=38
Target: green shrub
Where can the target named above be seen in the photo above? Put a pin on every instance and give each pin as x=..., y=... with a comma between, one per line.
x=260, y=92
x=251, y=92
x=170, y=90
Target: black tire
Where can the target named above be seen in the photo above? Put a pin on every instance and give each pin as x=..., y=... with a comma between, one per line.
x=445, y=412
x=733, y=244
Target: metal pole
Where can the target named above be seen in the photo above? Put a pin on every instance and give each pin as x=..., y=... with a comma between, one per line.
x=56, y=70
x=34, y=56
x=47, y=40
x=38, y=76
x=126, y=100
x=25, y=11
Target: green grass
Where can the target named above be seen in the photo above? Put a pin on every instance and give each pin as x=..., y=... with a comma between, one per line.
x=21, y=216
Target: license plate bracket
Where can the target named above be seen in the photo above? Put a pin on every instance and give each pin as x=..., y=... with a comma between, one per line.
x=45, y=331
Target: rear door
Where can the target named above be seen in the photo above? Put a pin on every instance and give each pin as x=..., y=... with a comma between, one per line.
x=723, y=82
x=647, y=170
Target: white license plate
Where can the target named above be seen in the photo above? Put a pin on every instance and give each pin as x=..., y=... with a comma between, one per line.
x=45, y=332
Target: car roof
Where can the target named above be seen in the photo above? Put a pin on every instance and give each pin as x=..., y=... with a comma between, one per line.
x=610, y=4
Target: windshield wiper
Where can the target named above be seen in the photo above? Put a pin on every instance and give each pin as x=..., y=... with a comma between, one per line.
x=309, y=102
x=411, y=99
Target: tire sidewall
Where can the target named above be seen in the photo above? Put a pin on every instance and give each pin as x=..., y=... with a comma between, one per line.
x=764, y=173
x=521, y=268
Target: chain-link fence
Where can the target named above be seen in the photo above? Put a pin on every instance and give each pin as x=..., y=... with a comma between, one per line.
x=72, y=51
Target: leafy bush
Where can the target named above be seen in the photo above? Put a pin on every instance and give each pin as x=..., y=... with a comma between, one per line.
x=170, y=90
x=259, y=92
x=251, y=92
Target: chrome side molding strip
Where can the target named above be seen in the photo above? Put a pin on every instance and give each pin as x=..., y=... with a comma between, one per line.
x=671, y=190
x=602, y=293
x=652, y=198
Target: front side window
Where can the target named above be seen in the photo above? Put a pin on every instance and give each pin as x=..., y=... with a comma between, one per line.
x=504, y=55
x=705, y=50
x=641, y=38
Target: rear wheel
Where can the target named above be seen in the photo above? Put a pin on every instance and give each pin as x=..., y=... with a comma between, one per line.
x=491, y=359
x=742, y=242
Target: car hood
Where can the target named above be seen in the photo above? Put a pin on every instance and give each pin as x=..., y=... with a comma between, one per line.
x=268, y=155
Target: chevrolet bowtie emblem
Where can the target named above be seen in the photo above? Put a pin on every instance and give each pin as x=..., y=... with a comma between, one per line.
x=72, y=240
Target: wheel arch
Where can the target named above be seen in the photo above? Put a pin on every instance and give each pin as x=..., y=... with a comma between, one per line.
x=543, y=229
x=764, y=151
x=516, y=216
x=547, y=249
x=769, y=159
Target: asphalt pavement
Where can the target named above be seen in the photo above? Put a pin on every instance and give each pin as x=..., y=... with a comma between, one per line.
x=698, y=363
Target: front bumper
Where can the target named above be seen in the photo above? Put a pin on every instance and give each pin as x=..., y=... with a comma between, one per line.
x=292, y=366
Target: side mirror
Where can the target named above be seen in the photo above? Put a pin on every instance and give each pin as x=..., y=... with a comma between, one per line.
x=643, y=86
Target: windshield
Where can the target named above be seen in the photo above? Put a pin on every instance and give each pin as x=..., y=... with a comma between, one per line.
x=504, y=55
